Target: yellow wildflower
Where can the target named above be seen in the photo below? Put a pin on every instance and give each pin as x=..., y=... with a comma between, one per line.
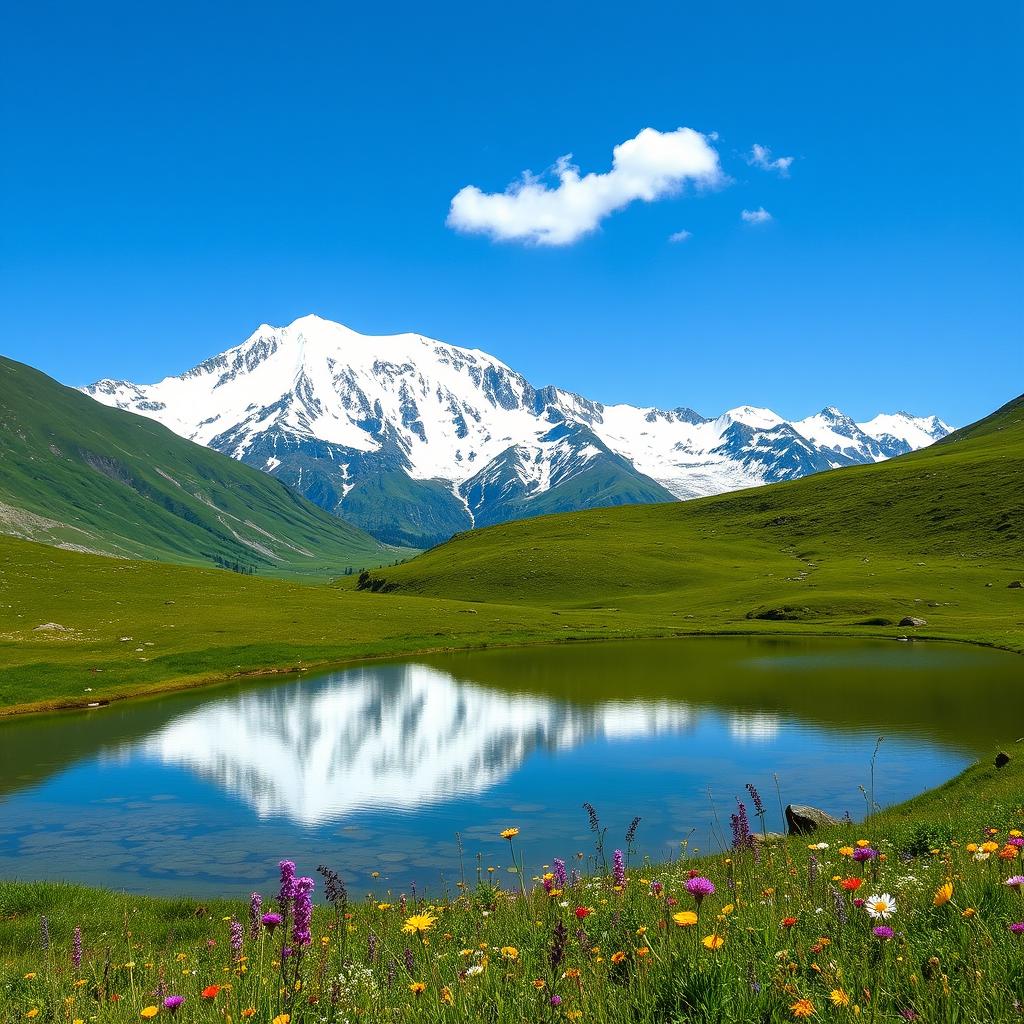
x=417, y=988
x=419, y=923
x=447, y=997
x=618, y=957
x=148, y=1012
x=838, y=997
x=34, y=1012
x=802, y=1008
x=510, y=952
x=509, y=833
x=943, y=894
x=685, y=918
x=713, y=941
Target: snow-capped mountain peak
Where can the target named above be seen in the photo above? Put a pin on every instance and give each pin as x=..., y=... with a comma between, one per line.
x=414, y=439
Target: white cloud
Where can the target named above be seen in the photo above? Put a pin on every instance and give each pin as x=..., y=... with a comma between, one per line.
x=680, y=236
x=758, y=216
x=761, y=156
x=648, y=167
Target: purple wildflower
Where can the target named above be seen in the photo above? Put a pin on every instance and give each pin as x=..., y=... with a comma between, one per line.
x=271, y=921
x=631, y=831
x=656, y=888
x=237, y=937
x=840, y=905
x=559, y=873
x=700, y=887
x=287, y=893
x=742, y=837
x=618, y=868
x=44, y=932
x=303, y=911
x=863, y=853
x=1015, y=841
x=76, y=949
x=883, y=931
x=574, y=877
x=172, y=1003
x=559, y=937
x=909, y=1014
x=286, y=951
x=556, y=1000
x=410, y=960
x=255, y=908
x=1015, y=882
x=371, y=946
x=756, y=798
x=1017, y=928
x=812, y=869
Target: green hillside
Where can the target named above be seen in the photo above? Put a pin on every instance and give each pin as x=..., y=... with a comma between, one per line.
x=81, y=476
x=918, y=532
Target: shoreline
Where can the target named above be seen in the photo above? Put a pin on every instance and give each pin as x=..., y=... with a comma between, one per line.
x=185, y=683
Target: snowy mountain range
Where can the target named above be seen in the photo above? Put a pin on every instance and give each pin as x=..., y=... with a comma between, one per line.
x=413, y=439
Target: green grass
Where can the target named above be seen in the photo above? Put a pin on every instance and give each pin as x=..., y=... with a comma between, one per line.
x=936, y=534
x=76, y=474
x=789, y=932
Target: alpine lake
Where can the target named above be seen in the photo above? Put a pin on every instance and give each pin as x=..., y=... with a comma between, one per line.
x=403, y=773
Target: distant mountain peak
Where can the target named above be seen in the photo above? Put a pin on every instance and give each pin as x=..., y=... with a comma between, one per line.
x=413, y=438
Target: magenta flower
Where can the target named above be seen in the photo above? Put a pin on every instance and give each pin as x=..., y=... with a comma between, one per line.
x=1015, y=841
x=172, y=1003
x=883, y=931
x=618, y=868
x=863, y=853
x=76, y=948
x=1017, y=928
x=560, y=876
x=303, y=911
x=858, y=903
x=556, y=1000
x=700, y=887
x=287, y=893
x=1016, y=882
x=271, y=921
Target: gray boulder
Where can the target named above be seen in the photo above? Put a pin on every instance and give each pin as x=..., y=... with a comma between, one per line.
x=802, y=819
x=913, y=620
x=52, y=627
x=1016, y=585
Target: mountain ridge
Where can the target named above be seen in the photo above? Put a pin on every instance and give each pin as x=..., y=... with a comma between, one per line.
x=381, y=430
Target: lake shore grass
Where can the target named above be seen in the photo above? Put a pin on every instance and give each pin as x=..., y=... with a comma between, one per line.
x=782, y=936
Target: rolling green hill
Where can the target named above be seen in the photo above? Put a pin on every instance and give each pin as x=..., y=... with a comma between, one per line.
x=81, y=476
x=837, y=544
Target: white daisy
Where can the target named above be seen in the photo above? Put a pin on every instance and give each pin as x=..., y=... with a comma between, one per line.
x=881, y=907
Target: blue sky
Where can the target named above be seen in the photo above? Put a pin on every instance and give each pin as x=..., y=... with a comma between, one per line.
x=175, y=175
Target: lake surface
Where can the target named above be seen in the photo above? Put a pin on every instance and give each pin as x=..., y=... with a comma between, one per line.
x=376, y=768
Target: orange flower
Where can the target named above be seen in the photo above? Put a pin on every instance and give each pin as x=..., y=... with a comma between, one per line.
x=618, y=957
x=852, y=884
x=802, y=1008
x=538, y=984
x=210, y=992
x=713, y=941
x=248, y=1012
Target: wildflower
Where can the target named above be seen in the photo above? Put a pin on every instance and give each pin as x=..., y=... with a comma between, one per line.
x=173, y=1003
x=685, y=918
x=255, y=912
x=643, y=951
x=882, y=932
x=303, y=889
x=846, y=851
x=210, y=992
x=863, y=843
x=713, y=941
x=989, y=847
x=271, y=921
x=559, y=873
x=582, y=912
x=802, y=1008
x=969, y=912
x=883, y=906
x=864, y=853
x=839, y=997
x=538, y=984
x=509, y=833
x=474, y=969
x=76, y=948
x=858, y=903
x=419, y=924
x=700, y=887
x=788, y=922
x=555, y=1000
x=1017, y=928
x=618, y=869
x=149, y=1011
x=30, y=976
x=446, y=996
x=1016, y=882
x=34, y=1012
x=618, y=957
x=417, y=988
x=282, y=1018
x=287, y=892
x=742, y=837
x=510, y=952
x=943, y=894
x=249, y=1011
x=852, y=884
